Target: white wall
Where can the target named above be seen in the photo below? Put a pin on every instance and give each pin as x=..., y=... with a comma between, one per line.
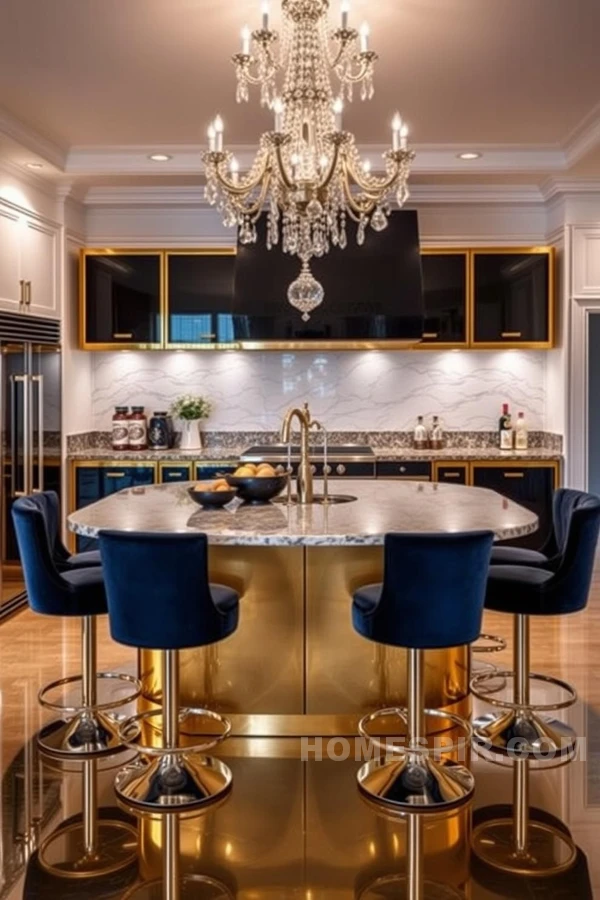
x=349, y=391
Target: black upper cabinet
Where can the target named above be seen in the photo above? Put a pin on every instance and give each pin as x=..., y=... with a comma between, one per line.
x=513, y=297
x=445, y=297
x=121, y=299
x=199, y=298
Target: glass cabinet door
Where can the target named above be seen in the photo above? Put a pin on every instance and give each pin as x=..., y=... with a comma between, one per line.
x=122, y=299
x=200, y=298
x=512, y=297
x=445, y=297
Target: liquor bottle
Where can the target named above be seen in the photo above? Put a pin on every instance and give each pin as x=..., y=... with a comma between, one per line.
x=436, y=440
x=506, y=429
x=420, y=438
x=521, y=433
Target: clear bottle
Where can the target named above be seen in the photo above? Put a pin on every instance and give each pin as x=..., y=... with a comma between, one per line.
x=521, y=433
x=120, y=428
x=436, y=441
x=505, y=429
x=138, y=429
x=420, y=437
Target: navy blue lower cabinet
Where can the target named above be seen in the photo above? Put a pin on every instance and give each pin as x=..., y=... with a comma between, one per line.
x=530, y=486
x=171, y=474
x=451, y=473
x=404, y=470
x=88, y=489
x=92, y=483
x=206, y=471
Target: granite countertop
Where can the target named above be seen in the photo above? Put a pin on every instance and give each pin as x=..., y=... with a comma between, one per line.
x=381, y=453
x=379, y=508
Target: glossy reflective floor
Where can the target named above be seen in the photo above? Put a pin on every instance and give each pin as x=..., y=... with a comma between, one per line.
x=293, y=828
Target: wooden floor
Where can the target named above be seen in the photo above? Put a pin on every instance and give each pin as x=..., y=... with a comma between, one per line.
x=35, y=650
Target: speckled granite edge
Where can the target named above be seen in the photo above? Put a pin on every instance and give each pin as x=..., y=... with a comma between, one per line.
x=223, y=444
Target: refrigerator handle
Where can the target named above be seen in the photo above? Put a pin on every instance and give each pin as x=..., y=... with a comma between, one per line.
x=14, y=380
x=39, y=380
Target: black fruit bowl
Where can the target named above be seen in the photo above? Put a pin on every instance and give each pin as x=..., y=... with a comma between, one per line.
x=212, y=499
x=257, y=490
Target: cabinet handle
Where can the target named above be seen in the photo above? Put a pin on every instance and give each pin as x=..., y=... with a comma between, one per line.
x=22, y=283
x=430, y=334
x=209, y=336
x=341, y=469
x=28, y=301
x=451, y=475
x=122, y=336
x=512, y=334
x=174, y=475
x=115, y=474
x=514, y=475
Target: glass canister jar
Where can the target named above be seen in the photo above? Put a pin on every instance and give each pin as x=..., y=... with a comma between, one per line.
x=138, y=429
x=120, y=428
x=159, y=431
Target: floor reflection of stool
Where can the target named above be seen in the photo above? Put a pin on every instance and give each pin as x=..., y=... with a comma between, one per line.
x=431, y=598
x=520, y=845
x=85, y=729
x=524, y=591
x=93, y=847
x=159, y=598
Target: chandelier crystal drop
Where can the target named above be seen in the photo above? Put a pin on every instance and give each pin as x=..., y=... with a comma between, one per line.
x=307, y=174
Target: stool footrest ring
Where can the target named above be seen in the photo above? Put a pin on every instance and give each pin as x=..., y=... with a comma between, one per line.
x=498, y=644
x=130, y=730
x=97, y=707
x=402, y=713
x=479, y=681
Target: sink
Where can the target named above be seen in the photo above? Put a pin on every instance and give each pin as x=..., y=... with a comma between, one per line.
x=319, y=499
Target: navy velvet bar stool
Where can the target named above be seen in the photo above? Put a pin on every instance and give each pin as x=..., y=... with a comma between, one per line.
x=84, y=730
x=431, y=598
x=524, y=591
x=48, y=504
x=549, y=556
x=160, y=598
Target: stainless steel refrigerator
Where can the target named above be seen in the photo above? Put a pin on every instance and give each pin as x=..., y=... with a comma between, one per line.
x=30, y=431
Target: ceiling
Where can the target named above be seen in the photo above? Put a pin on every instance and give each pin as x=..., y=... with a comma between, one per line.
x=91, y=87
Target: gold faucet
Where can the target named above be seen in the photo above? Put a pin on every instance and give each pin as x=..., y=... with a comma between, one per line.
x=305, y=475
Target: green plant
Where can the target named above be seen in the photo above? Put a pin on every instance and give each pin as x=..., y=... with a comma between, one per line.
x=190, y=407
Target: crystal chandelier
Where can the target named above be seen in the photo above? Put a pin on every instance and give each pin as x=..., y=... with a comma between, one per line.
x=307, y=174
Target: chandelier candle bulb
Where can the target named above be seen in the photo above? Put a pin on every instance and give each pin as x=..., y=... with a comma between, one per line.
x=367, y=167
x=265, y=15
x=212, y=135
x=338, y=108
x=345, y=12
x=404, y=137
x=396, y=129
x=246, y=41
x=278, y=109
x=235, y=169
x=219, y=128
x=365, y=31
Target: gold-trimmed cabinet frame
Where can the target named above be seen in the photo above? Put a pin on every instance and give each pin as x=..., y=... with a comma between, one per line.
x=453, y=345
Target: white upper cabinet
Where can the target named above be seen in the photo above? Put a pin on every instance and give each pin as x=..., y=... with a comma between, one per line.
x=38, y=268
x=11, y=295
x=29, y=271
x=586, y=261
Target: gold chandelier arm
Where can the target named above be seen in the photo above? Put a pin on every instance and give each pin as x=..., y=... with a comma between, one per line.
x=347, y=76
x=255, y=210
x=361, y=209
x=241, y=188
x=382, y=185
x=282, y=169
x=332, y=167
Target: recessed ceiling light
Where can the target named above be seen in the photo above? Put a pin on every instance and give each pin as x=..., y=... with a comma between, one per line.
x=469, y=155
x=34, y=165
x=160, y=157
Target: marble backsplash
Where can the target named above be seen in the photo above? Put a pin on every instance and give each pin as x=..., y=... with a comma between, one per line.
x=369, y=392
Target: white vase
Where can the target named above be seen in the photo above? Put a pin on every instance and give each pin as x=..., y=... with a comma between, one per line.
x=191, y=437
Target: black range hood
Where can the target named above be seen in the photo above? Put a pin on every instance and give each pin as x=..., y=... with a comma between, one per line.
x=373, y=292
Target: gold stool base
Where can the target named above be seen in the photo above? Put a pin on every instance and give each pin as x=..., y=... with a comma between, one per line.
x=173, y=783
x=192, y=887
x=422, y=785
x=524, y=733
x=87, y=735
x=64, y=853
x=549, y=850
x=396, y=887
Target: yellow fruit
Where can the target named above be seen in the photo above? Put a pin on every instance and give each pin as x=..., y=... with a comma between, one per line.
x=204, y=486
x=221, y=483
x=244, y=472
x=251, y=466
x=222, y=487
x=266, y=472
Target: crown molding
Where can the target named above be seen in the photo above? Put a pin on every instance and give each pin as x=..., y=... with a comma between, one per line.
x=558, y=187
x=32, y=140
x=29, y=178
x=584, y=138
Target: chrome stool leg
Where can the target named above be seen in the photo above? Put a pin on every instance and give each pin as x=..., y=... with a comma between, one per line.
x=88, y=731
x=410, y=779
x=91, y=848
x=178, y=779
x=493, y=643
x=520, y=727
x=520, y=845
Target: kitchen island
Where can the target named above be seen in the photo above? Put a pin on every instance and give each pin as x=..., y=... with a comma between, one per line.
x=295, y=665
